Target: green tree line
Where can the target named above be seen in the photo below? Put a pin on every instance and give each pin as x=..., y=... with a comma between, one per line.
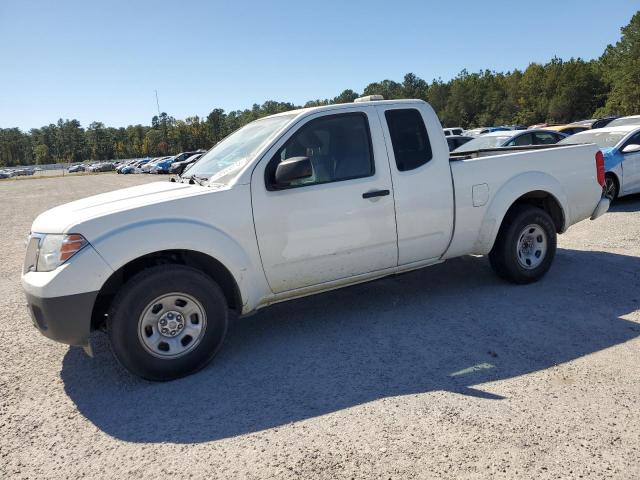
x=557, y=91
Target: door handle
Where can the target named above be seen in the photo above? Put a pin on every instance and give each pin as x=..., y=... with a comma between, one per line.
x=375, y=193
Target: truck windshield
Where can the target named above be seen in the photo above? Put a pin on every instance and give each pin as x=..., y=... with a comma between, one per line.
x=600, y=138
x=224, y=161
x=478, y=143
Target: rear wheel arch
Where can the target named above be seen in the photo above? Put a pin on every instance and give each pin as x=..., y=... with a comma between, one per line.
x=549, y=198
x=544, y=201
x=541, y=199
x=531, y=187
x=212, y=267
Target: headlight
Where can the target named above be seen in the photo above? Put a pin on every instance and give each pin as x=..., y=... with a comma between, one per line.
x=53, y=250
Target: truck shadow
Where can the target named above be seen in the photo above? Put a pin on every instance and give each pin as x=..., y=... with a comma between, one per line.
x=449, y=328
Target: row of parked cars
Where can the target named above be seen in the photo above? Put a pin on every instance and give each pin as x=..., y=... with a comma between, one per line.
x=93, y=167
x=18, y=172
x=457, y=136
x=175, y=164
x=617, y=137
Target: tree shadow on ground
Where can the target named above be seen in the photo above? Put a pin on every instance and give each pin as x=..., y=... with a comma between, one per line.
x=448, y=327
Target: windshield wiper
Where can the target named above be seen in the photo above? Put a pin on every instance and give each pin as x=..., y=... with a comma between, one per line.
x=196, y=179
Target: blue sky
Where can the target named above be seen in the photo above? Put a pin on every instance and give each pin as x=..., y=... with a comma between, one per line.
x=102, y=60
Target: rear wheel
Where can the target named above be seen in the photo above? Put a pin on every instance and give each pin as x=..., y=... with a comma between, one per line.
x=610, y=189
x=525, y=246
x=167, y=322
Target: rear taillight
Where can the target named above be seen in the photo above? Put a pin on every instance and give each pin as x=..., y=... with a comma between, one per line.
x=600, y=168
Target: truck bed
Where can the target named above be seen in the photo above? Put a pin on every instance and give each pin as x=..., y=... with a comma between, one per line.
x=483, y=180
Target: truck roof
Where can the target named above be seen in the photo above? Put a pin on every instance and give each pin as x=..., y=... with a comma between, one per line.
x=341, y=106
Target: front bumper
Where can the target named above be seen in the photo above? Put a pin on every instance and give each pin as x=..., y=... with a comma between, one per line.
x=601, y=208
x=64, y=319
x=61, y=301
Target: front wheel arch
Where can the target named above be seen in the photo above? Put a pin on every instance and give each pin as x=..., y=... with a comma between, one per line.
x=198, y=260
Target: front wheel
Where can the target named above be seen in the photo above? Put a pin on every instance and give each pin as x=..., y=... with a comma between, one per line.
x=167, y=322
x=525, y=246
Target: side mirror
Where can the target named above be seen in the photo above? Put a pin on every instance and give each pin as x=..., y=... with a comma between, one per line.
x=632, y=148
x=293, y=168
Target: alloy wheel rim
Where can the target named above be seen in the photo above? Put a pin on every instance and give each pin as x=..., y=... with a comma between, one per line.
x=531, y=246
x=172, y=325
x=609, y=188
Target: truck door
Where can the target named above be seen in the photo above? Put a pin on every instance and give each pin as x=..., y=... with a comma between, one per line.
x=340, y=221
x=422, y=186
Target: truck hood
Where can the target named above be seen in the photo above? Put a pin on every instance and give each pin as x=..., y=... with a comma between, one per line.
x=63, y=218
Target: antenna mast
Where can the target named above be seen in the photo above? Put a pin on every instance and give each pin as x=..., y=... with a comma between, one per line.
x=157, y=103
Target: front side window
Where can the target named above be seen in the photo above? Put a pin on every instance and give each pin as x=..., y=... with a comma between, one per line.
x=545, y=138
x=485, y=141
x=521, y=140
x=338, y=147
x=409, y=138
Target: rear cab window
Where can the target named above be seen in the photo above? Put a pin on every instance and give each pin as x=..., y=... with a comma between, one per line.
x=409, y=138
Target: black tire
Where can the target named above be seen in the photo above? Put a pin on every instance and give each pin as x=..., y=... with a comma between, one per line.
x=611, y=188
x=504, y=256
x=134, y=298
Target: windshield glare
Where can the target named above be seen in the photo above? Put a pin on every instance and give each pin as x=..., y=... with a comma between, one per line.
x=224, y=161
x=600, y=138
x=483, y=142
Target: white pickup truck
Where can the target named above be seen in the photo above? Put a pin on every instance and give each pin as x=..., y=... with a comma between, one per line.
x=291, y=205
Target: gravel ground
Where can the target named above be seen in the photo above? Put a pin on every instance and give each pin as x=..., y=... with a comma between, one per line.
x=446, y=372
